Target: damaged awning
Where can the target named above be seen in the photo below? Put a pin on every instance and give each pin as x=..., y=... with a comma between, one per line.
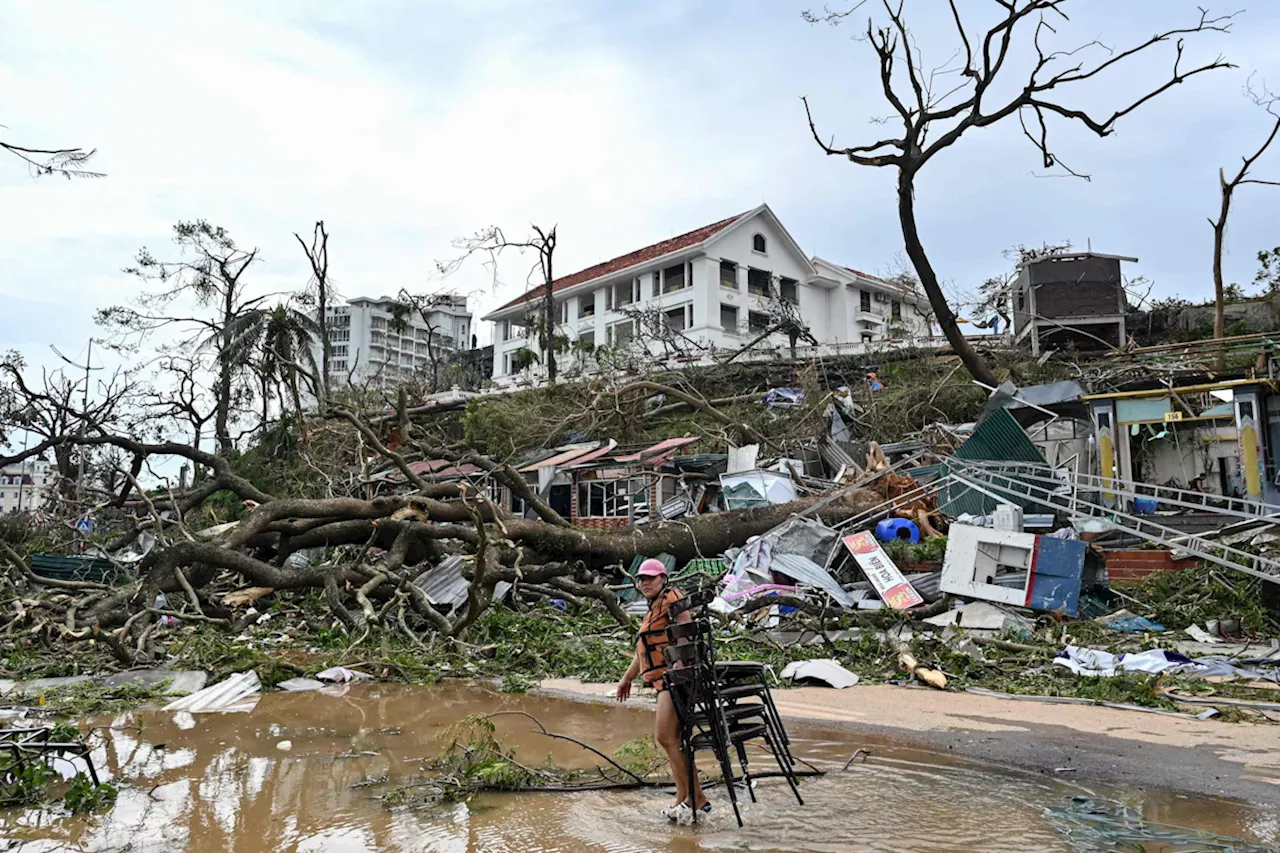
x=565, y=457
x=658, y=454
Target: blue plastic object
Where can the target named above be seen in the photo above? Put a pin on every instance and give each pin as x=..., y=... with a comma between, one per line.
x=897, y=528
x=1145, y=506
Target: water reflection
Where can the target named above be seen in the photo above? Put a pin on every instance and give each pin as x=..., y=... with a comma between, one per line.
x=301, y=773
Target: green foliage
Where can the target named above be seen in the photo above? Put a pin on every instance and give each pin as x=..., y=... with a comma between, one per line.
x=1195, y=595
x=642, y=756
x=1268, y=277
x=26, y=783
x=514, y=682
x=905, y=554
x=89, y=699
x=84, y=797
x=474, y=760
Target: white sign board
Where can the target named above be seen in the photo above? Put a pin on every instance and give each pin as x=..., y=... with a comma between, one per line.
x=881, y=571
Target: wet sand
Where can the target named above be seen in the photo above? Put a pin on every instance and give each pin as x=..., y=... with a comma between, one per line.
x=1080, y=742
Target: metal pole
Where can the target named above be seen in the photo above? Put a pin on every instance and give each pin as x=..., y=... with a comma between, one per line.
x=22, y=479
x=84, y=408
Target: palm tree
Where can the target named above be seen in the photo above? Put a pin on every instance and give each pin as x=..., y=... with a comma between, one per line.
x=279, y=342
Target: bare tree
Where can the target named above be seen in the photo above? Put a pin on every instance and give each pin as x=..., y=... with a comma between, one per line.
x=1268, y=102
x=56, y=405
x=937, y=107
x=423, y=304
x=491, y=243
x=319, y=290
x=210, y=270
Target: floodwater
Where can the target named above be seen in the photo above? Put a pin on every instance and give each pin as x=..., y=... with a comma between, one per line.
x=300, y=773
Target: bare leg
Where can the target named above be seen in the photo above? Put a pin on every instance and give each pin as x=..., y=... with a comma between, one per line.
x=668, y=737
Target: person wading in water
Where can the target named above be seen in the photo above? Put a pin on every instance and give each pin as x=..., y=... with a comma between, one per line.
x=651, y=580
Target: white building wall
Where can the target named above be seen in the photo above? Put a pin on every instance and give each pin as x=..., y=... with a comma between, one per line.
x=365, y=346
x=24, y=486
x=829, y=302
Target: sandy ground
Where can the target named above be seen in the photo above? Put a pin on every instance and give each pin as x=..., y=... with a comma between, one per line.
x=1238, y=760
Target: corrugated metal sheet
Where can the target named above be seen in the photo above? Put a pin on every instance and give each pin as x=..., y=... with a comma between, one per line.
x=659, y=449
x=807, y=572
x=591, y=457
x=926, y=583
x=997, y=439
x=444, y=585
x=563, y=457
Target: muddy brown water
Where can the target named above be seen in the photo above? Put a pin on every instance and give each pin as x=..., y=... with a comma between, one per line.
x=292, y=776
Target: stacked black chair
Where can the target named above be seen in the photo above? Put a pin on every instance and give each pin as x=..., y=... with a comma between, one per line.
x=722, y=706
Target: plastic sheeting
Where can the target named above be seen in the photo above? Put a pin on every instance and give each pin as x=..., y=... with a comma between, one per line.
x=752, y=489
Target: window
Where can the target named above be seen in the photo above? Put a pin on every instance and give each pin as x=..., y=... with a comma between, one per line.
x=620, y=334
x=338, y=352
x=789, y=290
x=864, y=300
x=866, y=337
x=729, y=318
x=613, y=498
x=895, y=310
x=757, y=322
x=624, y=293
x=338, y=365
x=729, y=275
x=587, y=340
x=673, y=278
x=758, y=282
x=675, y=319
x=587, y=305
x=657, y=283
x=759, y=244
x=379, y=322
x=1022, y=301
x=563, y=312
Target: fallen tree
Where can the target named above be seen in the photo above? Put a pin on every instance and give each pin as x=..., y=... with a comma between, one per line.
x=363, y=554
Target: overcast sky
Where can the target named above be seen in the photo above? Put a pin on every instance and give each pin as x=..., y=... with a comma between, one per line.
x=405, y=124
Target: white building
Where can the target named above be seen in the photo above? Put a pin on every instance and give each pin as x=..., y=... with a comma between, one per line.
x=24, y=486
x=716, y=285
x=373, y=344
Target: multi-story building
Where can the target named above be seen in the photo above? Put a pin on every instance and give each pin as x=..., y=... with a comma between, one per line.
x=721, y=286
x=373, y=342
x=24, y=486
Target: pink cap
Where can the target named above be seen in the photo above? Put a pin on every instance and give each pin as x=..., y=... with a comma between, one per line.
x=651, y=568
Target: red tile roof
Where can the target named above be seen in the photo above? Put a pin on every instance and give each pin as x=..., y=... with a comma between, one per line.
x=622, y=262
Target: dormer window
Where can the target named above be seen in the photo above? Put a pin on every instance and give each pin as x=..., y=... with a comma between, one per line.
x=759, y=244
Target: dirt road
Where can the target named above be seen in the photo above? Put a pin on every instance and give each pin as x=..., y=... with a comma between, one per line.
x=1236, y=760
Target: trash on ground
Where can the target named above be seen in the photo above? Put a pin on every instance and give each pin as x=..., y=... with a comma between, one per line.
x=300, y=685
x=1123, y=620
x=881, y=571
x=236, y=693
x=342, y=675
x=976, y=557
x=822, y=670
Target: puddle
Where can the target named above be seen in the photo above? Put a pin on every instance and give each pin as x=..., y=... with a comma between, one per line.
x=281, y=778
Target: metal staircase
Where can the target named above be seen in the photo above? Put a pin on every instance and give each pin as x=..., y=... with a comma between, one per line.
x=1096, y=497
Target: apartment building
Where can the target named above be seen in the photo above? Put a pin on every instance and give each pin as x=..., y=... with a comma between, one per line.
x=718, y=285
x=372, y=342
x=24, y=486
